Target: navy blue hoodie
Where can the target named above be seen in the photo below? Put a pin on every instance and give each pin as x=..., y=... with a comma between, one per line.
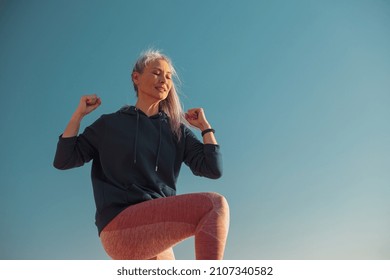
x=135, y=158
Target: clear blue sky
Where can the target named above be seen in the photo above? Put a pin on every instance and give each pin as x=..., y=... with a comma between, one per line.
x=298, y=92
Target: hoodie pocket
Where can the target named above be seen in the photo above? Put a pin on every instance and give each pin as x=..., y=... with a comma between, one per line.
x=137, y=194
x=167, y=191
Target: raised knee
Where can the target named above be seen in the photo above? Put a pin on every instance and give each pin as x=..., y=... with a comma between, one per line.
x=219, y=201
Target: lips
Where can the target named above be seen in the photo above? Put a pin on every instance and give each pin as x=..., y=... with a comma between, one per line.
x=161, y=88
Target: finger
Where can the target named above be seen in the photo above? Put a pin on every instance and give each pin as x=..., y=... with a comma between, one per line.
x=89, y=96
x=189, y=118
x=199, y=112
x=193, y=117
x=192, y=111
x=91, y=100
x=93, y=107
x=96, y=104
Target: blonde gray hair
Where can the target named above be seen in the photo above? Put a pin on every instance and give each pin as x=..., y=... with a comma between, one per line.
x=171, y=105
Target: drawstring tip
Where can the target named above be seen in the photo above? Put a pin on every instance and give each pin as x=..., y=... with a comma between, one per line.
x=156, y=168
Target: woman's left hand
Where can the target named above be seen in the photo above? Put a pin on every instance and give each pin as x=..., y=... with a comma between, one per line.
x=197, y=118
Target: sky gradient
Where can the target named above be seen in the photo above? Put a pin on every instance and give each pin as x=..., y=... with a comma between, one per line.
x=297, y=91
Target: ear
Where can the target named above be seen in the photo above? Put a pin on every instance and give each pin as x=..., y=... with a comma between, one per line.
x=135, y=76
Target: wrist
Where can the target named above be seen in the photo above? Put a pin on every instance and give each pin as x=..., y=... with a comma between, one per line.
x=77, y=117
x=208, y=130
x=204, y=126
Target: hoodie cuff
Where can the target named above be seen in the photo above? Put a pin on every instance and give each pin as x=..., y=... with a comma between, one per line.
x=211, y=148
x=67, y=140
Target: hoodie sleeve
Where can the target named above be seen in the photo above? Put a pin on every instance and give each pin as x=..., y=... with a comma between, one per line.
x=203, y=159
x=75, y=151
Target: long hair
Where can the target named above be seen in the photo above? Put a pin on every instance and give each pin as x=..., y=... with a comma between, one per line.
x=171, y=105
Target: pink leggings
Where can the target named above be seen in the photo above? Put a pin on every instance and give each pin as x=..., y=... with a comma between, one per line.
x=150, y=229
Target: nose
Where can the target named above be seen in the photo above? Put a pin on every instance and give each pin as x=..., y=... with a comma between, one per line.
x=163, y=80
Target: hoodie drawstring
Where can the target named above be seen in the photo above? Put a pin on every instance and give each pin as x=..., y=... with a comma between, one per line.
x=159, y=141
x=161, y=119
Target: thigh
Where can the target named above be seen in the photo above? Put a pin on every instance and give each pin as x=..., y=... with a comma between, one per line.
x=186, y=208
x=145, y=230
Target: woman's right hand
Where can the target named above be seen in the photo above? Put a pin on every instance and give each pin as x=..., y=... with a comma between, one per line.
x=87, y=104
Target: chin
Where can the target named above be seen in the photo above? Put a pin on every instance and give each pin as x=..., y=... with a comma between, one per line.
x=163, y=96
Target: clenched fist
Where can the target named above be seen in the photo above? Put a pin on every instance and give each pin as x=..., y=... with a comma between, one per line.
x=197, y=118
x=87, y=104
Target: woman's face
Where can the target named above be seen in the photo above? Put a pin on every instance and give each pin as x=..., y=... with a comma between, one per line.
x=156, y=80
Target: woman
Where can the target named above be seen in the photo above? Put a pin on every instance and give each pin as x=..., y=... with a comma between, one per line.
x=137, y=153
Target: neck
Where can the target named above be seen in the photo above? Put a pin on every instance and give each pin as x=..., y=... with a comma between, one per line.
x=149, y=108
